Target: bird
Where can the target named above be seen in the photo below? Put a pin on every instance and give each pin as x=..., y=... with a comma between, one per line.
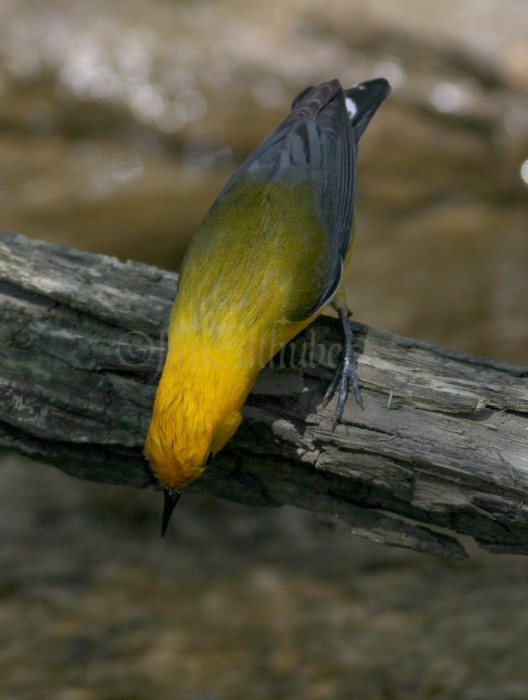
x=269, y=256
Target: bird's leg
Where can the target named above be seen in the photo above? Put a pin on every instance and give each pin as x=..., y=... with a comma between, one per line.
x=346, y=373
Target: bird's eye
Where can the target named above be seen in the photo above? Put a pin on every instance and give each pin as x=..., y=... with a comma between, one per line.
x=209, y=459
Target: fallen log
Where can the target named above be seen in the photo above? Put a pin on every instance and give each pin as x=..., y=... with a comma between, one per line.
x=440, y=450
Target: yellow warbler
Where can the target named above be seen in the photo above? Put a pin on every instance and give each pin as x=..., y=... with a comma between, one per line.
x=269, y=256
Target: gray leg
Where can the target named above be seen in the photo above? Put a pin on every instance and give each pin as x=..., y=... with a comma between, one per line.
x=346, y=373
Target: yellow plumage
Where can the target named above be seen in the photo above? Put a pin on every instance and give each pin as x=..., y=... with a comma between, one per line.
x=267, y=259
x=232, y=313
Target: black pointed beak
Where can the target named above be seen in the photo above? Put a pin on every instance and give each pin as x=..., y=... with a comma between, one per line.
x=171, y=497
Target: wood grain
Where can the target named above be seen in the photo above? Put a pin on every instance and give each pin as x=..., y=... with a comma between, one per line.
x=440, y=450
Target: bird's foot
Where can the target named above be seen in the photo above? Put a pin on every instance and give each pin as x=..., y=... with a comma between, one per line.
x=346, y=374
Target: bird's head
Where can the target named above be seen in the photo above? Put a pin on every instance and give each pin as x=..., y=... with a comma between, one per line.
x=173, y=469
x=185, y=433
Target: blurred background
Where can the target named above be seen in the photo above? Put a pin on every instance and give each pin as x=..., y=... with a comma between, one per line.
x=119, y=123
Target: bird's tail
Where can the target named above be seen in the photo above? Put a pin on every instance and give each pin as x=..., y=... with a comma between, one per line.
x=361, y=101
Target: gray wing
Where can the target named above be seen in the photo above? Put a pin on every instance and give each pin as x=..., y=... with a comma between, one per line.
x=317, y=141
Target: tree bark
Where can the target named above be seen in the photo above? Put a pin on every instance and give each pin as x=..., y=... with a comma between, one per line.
x=440, y=450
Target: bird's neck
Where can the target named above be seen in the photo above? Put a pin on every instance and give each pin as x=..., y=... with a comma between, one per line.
x=218, y=375
x=202, y=384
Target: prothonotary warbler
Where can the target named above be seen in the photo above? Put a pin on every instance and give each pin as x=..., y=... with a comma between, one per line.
x=269, y=256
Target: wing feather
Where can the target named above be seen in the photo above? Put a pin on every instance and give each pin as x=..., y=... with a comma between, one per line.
x=317, y=142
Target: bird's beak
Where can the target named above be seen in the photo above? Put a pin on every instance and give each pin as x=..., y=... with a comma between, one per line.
x=171, y=497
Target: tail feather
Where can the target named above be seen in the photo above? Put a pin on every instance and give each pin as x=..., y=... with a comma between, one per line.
x=361, y=102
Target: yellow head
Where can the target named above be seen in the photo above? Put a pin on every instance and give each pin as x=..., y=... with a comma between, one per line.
x=196, y=411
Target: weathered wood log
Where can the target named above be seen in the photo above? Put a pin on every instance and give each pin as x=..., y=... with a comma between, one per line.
x=442, y=442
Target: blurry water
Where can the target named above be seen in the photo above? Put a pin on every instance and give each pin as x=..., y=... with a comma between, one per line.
x=119, y=122
x=238, y=601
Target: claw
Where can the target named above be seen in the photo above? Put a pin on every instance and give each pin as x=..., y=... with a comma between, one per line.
x=332, y=386
x=346, y=373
